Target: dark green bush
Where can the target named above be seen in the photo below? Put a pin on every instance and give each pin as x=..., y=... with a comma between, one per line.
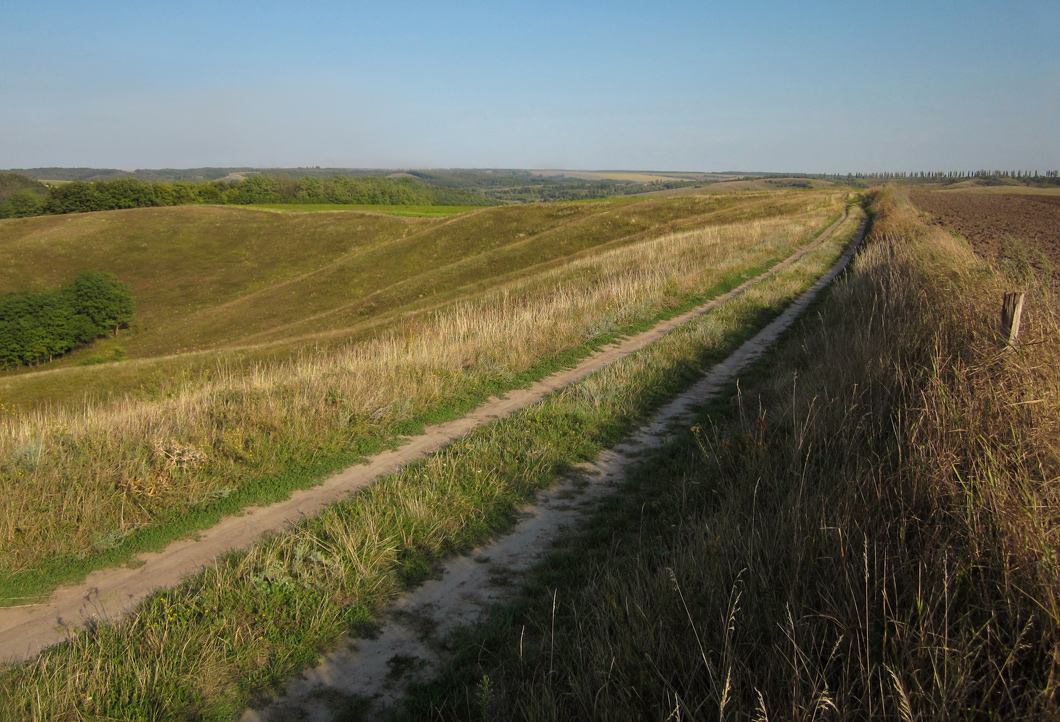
x=39, y=326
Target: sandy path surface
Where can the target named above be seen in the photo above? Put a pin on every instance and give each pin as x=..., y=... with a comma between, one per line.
x=109, y=593
x=376, y=671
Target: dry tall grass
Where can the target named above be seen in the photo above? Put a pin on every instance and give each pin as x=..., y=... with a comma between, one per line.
x=873, y=534
x=75, y=482
x=208, y=647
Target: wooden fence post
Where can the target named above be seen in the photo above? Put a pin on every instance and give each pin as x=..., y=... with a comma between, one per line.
x=1011, y=312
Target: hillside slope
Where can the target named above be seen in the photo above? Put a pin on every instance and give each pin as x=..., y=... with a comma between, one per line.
x=210, y=280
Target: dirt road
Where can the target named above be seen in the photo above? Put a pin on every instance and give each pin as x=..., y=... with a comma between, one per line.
x=108, y=593
x=409, y=641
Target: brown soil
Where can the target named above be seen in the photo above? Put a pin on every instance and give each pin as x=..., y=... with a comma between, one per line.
x=985, y=221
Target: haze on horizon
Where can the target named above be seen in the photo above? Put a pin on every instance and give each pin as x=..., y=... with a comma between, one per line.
x=810, y=87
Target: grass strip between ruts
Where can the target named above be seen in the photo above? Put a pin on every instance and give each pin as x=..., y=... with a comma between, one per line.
x=261, y=615
x=308, y=469
x=839, y=544
x=635, y=525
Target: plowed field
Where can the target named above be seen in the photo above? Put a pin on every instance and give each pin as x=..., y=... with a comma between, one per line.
x=987, y=220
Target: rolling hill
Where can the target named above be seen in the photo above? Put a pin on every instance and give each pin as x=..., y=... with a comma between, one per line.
x=241, y=283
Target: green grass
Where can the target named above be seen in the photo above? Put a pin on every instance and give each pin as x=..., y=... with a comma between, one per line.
x=290, y=467
x=870, y=535
x=234, y=284
x=215, y=643
x=412, y=211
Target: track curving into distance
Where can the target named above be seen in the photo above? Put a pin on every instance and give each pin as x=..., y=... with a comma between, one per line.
x=109, y=593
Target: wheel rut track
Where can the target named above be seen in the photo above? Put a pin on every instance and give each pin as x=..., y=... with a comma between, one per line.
x=463, y=592
x=108, y=594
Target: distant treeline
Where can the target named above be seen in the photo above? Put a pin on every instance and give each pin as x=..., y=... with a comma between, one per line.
x=12, y=183
x=165, y=175
x=39, y=326
x=20, y=196
x=362, y=190
x=83, y=196
x=419, y=188
x=1023, y=175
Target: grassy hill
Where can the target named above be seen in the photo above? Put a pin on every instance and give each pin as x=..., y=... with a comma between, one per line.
x=239, y=283
x=272, y=342
x=510, y=294
x=866, y=529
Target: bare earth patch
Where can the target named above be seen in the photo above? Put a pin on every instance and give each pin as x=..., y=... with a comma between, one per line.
x=986, y=220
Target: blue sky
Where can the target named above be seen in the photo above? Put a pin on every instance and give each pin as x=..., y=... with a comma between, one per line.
x=773, y=86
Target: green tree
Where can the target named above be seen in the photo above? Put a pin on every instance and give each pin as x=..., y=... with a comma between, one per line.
x=183, y=193
x=38, y=326
x=256, y=189
x=21, y=205
x=34, y=327
x=102, y=298
x=75, y=197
